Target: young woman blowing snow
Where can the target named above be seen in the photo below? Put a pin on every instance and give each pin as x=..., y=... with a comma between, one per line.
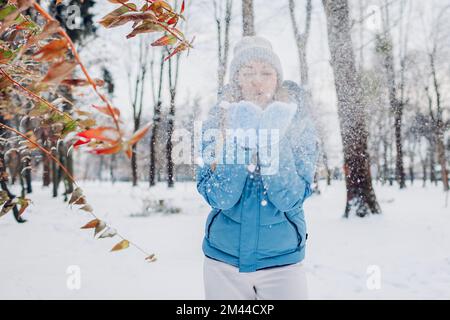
x=258, y=154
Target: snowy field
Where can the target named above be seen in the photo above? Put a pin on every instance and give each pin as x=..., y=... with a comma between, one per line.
x=407, y=248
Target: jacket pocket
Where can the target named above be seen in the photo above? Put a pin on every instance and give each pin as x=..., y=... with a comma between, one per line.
x=297, y=231
x=213, y=214
x=277, y=239
x=283, y=237
x=223, y=234
x=297, y=220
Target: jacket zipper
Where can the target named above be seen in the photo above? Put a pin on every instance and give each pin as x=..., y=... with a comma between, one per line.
x=212, y=220
x=299, y=237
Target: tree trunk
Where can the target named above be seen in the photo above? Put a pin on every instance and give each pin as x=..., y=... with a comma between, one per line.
x=4, y=186
x=361, y=199
x=432, y=164
x=4, y=174
x=169, y=146
x=385, y=50
x=100, y=168
x=69, y=167
x=156, y=120
x=301, y=39
x=134, y=172
x=155, y=127
x=439, y=125
x=424, y=174
x=223, y=40
x=440, y=149
x=55, y=176
x=134, y=176
x=248, y=18
x=45, y=170
x=173, y=73
x=111, y=168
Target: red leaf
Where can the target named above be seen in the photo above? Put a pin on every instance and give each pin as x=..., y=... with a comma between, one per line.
x=182, y=8
x=173, y=21
x=80, y=142
x=109, y=150
x=98, y=134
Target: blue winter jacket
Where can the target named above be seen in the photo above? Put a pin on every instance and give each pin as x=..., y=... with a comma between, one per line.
x=257, y=220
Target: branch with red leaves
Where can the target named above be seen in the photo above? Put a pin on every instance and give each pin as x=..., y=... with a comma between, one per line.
x=22, y=63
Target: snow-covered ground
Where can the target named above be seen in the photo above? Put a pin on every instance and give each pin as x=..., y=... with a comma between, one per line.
x=407, y=248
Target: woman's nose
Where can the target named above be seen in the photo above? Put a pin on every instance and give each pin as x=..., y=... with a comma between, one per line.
x=256, y=82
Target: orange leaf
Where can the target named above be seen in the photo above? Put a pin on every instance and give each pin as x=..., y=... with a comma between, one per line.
x=80, y=200
x=108, y=20
x=24, y=203
x=54, y=49
x=183, y=46
x=81, y=82
x=91, y=224
x=125, y=18
x=115, y=112
x=129, y=152
x=59, y=71
x=145, y=27
x=165, y=41
x=121, y=245
x=138, y=135
x=159, y=6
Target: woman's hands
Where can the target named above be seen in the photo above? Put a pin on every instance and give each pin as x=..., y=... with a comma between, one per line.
x=243, y=115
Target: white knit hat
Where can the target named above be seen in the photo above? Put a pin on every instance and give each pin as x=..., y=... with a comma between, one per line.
x=254, y=48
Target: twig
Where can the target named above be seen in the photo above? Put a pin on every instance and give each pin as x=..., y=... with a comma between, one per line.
x=35, y=96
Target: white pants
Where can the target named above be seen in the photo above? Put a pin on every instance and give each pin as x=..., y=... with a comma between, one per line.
x=224, y=282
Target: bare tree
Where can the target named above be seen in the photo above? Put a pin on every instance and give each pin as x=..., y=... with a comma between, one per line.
x=137, y=98
x=157, y=100
x=385, y=49
x=223, y=19
x=437, y=40
x=301, y=39
x=248, y=18
x=437, y=121
x=361, y=199
x=173, y=72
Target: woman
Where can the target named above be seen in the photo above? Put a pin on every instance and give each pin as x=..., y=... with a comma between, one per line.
x=255, y=234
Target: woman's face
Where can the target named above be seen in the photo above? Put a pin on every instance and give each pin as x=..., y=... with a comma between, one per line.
x=258, y=82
